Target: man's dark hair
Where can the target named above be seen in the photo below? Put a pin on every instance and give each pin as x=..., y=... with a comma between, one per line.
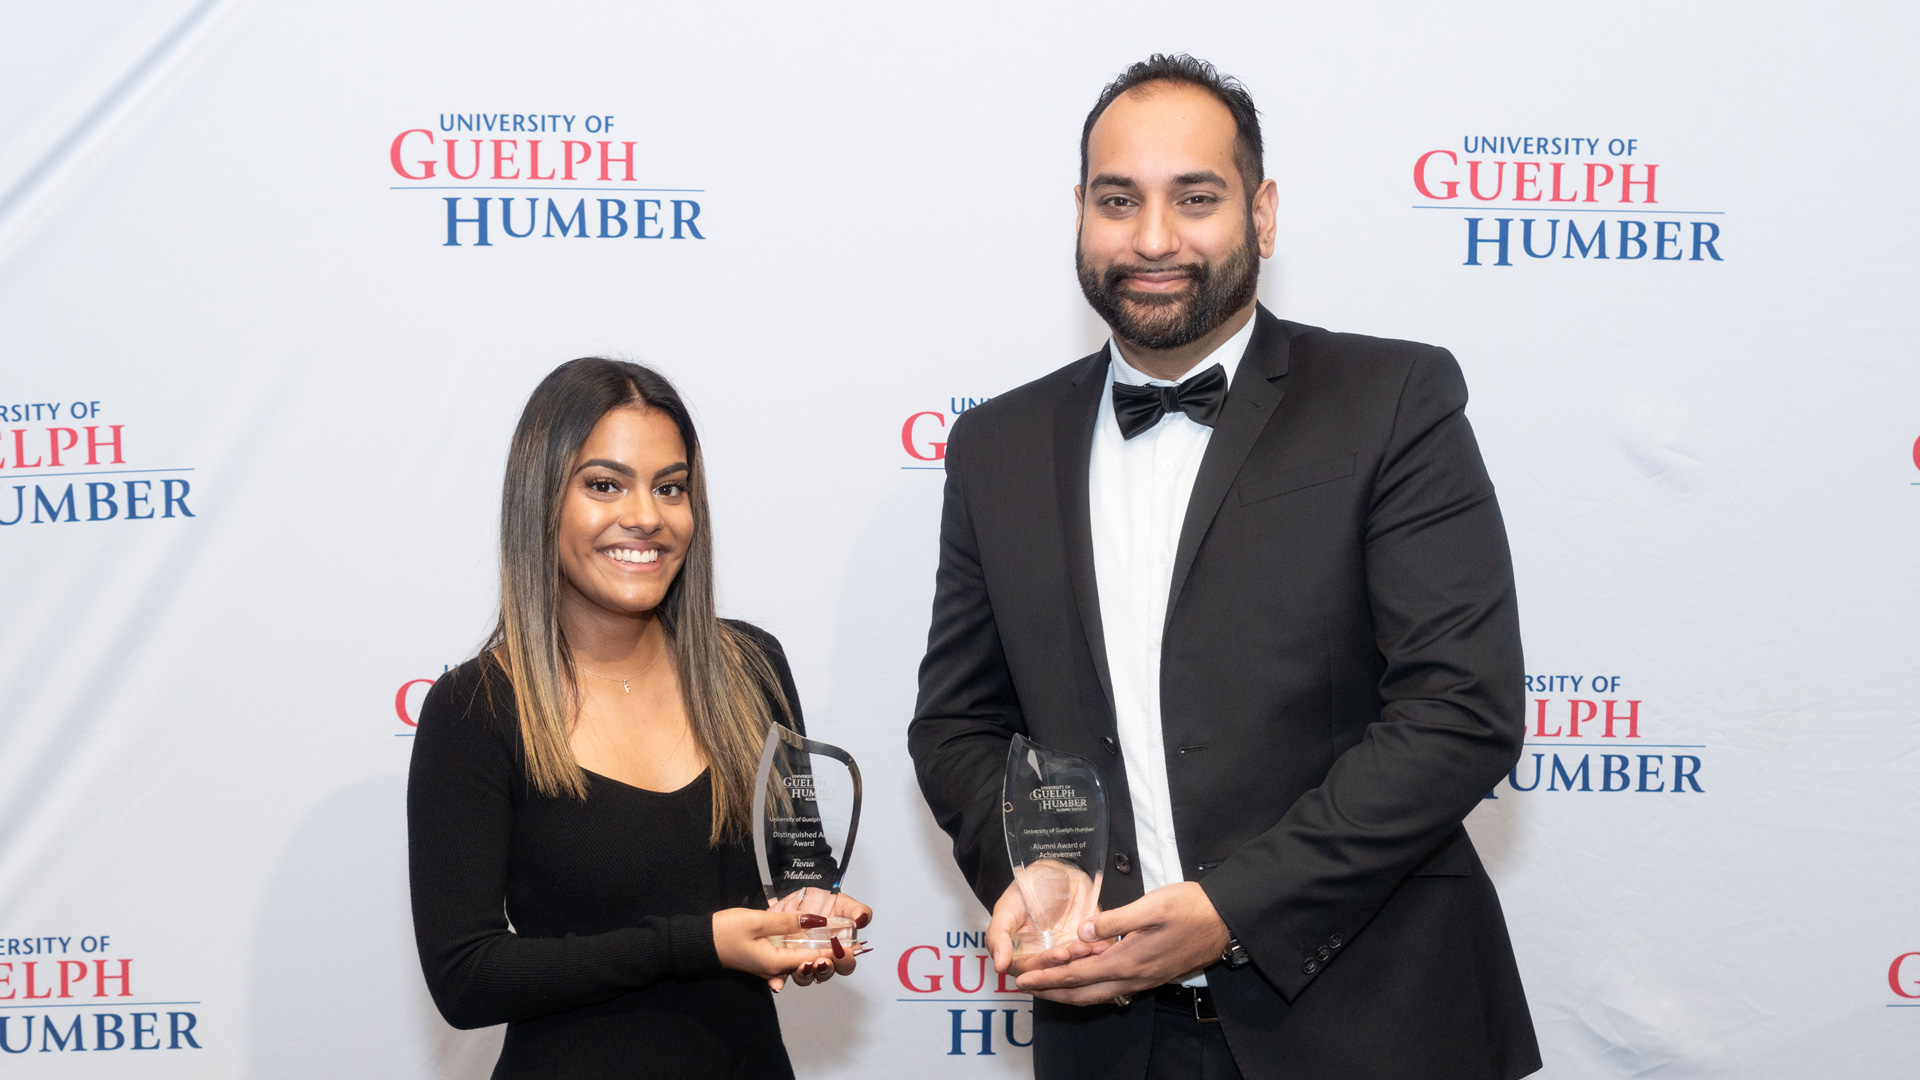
x=1247, y=152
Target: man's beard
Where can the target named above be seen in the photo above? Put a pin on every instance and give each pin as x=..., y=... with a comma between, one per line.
x=1161, y=321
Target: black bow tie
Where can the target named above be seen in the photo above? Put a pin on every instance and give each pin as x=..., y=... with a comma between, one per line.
x=1138, y=408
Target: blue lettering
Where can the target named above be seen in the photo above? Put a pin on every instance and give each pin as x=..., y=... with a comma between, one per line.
x=177, y=1032
x=985, y=1031
x=1474, y=240
x=1652, y=773
x=680, y=217
x=454, y=221
x=1683, y=775
x=612, y=210
x=578, y=217
x=1636, y=238
x=95, y=498
x=1560, y=774
x=1526, y=237
x=137, y=499
x=1661, y=240
x=172, y=500
x=1609, y=772
x=51, y=1034
x=101, y=1031
x=141, y=1031
x=1513, y=778
x=53, y=511
x=1706, y=243
x=506, y=217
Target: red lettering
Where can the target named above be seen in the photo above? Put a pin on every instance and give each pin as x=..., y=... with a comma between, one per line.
x=533, y=164
x=31, y=996
x=906, y=978
x=1473, y=180
x=20, y=451
x=1632, y=718
x=7, y=981
x=1916, y=453
x=1420, y=175
x=53, y=440
x=94, y=443
x=607, y=159
x=101, y=978
x=1627, y=181
x=566, y=149
x=1893, y=975
x=503, y=157
x=1574, y=719
x=393, y=154
x=978, y=986
x=1521, y=181
x=1003, y=987
x=453, y=170
x=66, y=979
x=907, y=438
x=1572, y=196
x=400, y=701
x=1601, y=166
x=1540, y=720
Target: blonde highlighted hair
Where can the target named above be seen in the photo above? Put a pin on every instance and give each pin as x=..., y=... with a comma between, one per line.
x=731, y=691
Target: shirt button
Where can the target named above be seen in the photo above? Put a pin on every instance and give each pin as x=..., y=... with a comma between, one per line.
x=1166, y=466
x=1159, y=556
x=1107, y=741
x=1122, y=863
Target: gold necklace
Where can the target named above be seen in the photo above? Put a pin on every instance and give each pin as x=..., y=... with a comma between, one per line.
x=624, y=680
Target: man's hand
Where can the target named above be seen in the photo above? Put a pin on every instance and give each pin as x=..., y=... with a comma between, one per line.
x=1010, y=917
x=1166, y=934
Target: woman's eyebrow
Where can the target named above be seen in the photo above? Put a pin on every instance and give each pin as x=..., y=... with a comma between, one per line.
x=608, y=463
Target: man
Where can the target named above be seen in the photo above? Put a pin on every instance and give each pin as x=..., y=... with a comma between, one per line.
x=1255, y=572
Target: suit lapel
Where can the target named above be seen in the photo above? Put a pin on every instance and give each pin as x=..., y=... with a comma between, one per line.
x=1250, y=403
x=1073, y=422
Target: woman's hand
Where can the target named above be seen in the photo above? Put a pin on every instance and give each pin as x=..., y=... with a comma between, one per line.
x=741, y=937
x=821, y=902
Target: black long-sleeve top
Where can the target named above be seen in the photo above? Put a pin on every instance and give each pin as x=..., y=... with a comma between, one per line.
x=585, y=927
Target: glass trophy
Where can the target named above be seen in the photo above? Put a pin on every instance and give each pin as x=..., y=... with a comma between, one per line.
x=806, y=809
x=1055, y=813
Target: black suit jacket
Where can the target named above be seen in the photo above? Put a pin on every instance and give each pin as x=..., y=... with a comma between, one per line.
x=1341, y=684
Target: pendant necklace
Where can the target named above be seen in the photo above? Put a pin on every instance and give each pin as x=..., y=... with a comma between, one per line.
x=624, y=680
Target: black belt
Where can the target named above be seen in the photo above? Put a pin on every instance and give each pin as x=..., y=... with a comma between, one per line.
x=1195, y=1001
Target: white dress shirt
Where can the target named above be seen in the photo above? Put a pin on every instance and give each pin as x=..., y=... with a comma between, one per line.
x=1138, y=491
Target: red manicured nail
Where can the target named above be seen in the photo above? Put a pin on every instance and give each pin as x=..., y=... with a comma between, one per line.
x=838, y=952
x=865, y=917
x=811, y=921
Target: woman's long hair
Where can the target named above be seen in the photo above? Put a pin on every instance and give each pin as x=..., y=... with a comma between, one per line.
x=725, y=677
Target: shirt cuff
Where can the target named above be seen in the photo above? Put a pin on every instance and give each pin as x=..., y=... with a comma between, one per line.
x=690, y=939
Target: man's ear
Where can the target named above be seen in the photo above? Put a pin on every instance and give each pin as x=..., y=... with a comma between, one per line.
x=1079, y=206
x=1266, y=210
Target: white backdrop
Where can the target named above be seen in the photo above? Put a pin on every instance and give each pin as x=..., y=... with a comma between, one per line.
x=1707, y=464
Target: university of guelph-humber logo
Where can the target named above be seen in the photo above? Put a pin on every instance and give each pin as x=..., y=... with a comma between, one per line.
x=49, y=442
x=924, y=434
x=1562, y=197
x=586, y=178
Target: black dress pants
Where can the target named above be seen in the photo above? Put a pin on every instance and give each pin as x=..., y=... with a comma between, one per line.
x=1188, y=1049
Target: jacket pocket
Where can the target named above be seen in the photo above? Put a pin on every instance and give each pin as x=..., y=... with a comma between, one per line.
x=1259, y=488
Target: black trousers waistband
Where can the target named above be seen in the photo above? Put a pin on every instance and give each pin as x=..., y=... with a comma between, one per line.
x=1193, y=1001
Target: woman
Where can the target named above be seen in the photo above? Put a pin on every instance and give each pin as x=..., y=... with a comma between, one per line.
x=578, y=804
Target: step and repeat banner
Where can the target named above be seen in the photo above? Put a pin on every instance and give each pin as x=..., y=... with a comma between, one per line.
x=275, y=280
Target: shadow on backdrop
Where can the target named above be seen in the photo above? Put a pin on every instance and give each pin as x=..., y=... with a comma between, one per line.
x=334, y=953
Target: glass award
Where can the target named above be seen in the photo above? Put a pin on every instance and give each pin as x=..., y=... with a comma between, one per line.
x=1055, y=813
x=806, y=809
